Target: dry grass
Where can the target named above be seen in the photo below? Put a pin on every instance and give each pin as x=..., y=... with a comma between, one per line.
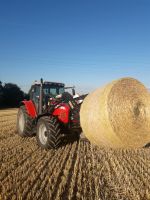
x=75, y=171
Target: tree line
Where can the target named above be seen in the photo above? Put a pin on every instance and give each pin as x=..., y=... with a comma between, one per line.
x=11, y=95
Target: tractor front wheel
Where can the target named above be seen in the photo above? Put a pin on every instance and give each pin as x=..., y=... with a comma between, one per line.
x=24, y=123
x=48, y=132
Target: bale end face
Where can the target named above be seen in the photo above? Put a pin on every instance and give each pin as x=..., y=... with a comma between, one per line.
x=118, y=115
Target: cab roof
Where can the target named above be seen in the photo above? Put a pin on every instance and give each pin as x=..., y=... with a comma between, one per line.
x=49, y=83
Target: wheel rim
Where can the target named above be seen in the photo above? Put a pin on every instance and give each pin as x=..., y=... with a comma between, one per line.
x=21, y=121
x=42, y=134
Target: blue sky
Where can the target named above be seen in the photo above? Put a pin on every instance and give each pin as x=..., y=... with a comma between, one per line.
x=86, y=43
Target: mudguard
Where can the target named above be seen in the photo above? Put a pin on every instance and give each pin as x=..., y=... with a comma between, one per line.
x=62, y=112
x=30, y=107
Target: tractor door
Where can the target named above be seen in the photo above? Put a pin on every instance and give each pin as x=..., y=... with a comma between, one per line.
x=34, y=96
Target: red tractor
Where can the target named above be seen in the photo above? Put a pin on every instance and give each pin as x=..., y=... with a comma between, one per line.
x=50, y=113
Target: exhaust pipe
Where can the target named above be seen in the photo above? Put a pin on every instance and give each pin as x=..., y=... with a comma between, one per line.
x=41, y=97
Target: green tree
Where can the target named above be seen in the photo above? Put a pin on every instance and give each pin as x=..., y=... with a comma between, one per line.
x=26, y=96
x=12, y=95
x=1, y=95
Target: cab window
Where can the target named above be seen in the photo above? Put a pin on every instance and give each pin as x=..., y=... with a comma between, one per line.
x=35, y=93
x=61, y=90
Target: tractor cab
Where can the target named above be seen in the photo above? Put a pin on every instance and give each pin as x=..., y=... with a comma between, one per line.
x=49, y=90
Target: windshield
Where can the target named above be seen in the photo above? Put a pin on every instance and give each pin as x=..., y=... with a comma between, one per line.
x=54, y=91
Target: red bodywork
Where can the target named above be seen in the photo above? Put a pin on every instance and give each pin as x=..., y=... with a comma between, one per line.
x=30, y=107
x=62, y=111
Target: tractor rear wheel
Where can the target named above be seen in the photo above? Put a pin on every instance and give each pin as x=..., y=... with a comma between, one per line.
x=48, y=132
x=24, y=123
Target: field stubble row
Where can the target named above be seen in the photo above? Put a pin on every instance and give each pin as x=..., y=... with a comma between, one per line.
x=78, y=170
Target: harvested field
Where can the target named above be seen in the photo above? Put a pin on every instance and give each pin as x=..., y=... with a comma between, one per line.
x=75, y=171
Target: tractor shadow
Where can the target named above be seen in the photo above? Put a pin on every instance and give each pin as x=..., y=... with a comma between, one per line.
x=69, y=139
x=147, y=145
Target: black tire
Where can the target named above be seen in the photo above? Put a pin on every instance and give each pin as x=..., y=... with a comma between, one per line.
x=48, y=132
x=24, y=123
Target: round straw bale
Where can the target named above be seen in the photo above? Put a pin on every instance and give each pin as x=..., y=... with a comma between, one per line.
x=117, y=115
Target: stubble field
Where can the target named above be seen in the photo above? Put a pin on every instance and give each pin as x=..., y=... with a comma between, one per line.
x=78, y=170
